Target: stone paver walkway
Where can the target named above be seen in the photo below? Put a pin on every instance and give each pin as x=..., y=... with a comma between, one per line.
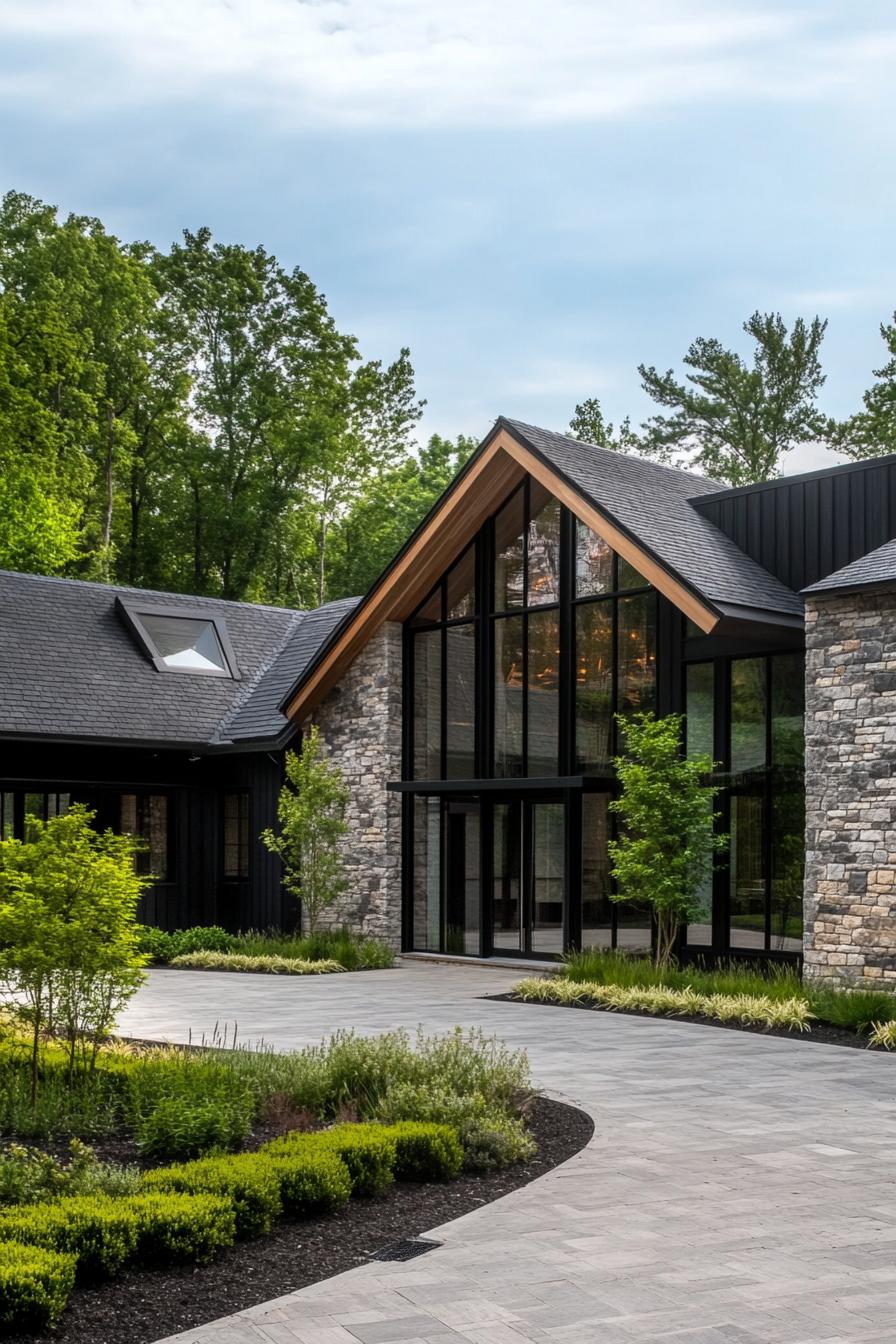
x=738, y=1189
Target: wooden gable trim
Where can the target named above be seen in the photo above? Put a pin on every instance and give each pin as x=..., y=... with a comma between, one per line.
x=501, y=465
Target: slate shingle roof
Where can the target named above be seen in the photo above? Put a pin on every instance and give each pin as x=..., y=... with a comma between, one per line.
x=652, y=503
x=877, y=567
x=71, y=668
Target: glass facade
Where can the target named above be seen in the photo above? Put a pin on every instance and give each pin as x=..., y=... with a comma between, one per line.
x=519, y=661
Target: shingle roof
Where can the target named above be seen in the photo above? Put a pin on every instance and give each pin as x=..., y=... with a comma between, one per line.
x=70, y=667
x=876, y=568
x=652, y=503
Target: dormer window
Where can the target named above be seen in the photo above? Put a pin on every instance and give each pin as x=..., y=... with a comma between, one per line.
x=182, y=639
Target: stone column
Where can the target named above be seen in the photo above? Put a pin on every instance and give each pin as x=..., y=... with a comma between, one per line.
x=850, y=892
x=360, y=730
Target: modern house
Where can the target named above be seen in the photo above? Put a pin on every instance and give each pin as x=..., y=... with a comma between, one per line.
x=470, y=696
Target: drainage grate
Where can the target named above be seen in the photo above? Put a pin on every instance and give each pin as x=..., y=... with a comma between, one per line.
x=407, y=1249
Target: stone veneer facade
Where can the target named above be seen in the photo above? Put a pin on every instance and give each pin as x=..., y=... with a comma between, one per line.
x=850, y=892
x=360, y=729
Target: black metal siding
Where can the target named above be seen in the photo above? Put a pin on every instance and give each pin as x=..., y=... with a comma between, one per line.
x=806, y=528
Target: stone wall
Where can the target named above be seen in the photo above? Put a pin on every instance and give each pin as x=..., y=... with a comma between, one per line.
x=850, y=894
x=360, y=729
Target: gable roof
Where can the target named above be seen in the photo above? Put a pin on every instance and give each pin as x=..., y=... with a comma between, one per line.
x=877, y=569
x=653, y=503
x=72, y=669
x=642, y=509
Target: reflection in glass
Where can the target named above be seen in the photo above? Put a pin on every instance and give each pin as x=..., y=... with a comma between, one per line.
x=431, y=610
x=629, y=577
x=427, y=875
x=543, y=549
x=788, y=802
x=462, y=896
x=594, y=563
x=460, y=585
x=594, y=685
x=700, y=719
x=633, y=930
x=507, y=877
x=597, y=912
x=547, y=860
x=428, y=705
x=747, y=891
x=636, y=654
x=460, y=688
x=544, y=693
x=748, y=715
x=510, y=551
x=508, y=639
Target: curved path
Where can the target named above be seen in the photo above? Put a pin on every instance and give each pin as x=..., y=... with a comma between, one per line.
x=739, y=1189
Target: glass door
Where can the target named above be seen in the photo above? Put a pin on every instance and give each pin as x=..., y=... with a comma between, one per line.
x=462, y=885
x=528, y=878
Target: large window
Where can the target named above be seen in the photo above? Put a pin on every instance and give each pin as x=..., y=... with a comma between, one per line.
x=236, y=836
x=615, y=655
x=445, y=660
x=145, y=815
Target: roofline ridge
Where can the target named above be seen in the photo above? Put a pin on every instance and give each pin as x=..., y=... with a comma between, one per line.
x=250, y=687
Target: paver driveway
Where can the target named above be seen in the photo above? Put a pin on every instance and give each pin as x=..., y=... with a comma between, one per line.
x=737, y=1188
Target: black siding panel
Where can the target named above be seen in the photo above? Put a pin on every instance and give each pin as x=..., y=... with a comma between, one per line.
x=803, y=529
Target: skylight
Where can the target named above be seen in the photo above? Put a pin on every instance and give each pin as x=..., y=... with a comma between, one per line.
x=182, y=639
x=182, y=642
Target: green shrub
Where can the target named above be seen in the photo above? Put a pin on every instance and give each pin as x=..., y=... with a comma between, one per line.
x=367, y=1151
x=491, y=1135
x=883, y=1033
x=155, y=944
x=425, y=1152
x=35, y=1285
x=28, y=1175
x=311, y=1182
x=600, y=966
x=101, y=1233
x=235, y=961
x=202, y=938
x=252, y=1187
x=180, y=1129
x=182, y=1229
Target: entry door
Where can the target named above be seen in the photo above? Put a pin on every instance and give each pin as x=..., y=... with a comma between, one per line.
x=462, y=883
x=528, y=877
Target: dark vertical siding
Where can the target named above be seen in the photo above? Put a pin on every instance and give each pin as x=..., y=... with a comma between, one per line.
x=196, y=892
x=805, y=528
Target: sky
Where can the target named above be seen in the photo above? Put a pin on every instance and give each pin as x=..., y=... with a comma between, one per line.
x=534, y=195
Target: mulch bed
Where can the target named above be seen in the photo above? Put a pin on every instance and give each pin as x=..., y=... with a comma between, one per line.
x=146, y=1305
x=822, y=1033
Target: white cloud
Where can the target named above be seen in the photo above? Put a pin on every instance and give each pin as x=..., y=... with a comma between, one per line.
x=407, y=63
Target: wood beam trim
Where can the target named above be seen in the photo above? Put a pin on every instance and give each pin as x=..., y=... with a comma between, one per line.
x=501, y=465
x=654, y=572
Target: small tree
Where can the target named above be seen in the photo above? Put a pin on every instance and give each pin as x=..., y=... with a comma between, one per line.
x=666, y=844
x=68, y=934
x=311, y=812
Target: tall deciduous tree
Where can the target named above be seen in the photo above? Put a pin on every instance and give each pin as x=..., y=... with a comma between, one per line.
x=589, y=425
x=735, y=420
x=871, y=432
x=269, y=373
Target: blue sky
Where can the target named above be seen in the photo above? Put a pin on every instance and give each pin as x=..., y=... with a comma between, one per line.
x=533, y=196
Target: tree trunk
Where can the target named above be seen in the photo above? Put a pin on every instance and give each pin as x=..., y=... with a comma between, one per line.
x=109, y=484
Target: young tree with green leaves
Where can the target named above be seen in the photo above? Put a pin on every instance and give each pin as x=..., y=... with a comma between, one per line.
x=871, y=432
x=68, y=930
x=666, y=842
x=311, y=812
x=735, y=420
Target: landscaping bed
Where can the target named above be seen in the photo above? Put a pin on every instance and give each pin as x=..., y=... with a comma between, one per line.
x=146, y=1305
x=771, y=1000
x=211, y=948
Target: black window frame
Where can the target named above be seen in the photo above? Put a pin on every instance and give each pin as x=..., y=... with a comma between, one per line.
x=243, y=818
x=170, y=876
